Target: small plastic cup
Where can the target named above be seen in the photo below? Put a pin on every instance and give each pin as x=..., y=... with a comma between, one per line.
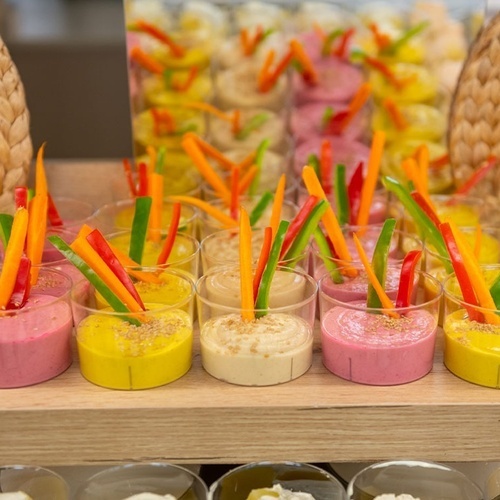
x=376, y=346
x=37, y=482
x=238, y=483
x=272, y=348
x=119, y=215
x=35, y=344
x=124, y=481
x=129, y=351
x=471, y=334
x=418, y=478
x=73, y=212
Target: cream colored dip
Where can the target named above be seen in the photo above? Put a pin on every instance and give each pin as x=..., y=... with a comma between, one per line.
x=150, y=496
x=273, y=349
x=18, y=495
x=395, y=497
x=278, y=492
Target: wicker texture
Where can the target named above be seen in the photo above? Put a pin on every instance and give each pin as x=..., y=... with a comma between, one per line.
x=474, y=129
x=16, y=150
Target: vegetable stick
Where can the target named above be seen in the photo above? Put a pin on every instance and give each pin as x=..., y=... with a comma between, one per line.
x=247, y=299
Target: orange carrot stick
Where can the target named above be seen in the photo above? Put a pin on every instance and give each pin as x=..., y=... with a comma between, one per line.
x=357, y=102
x=211, y=151
x=395, y=114
x=145, y=27
x=279, y=197
x=236, y=124
x=146, y=61
x=244, y=40
x=247, y=178
x=152, y=158
x=246, y=283
x=162, y=121
x=410, y=168
x=37, y=227
x=235, y=180
x=248, y=161
x=384, y=299
x=308, y=69
x=264, y=71
x=155, y=188
x=423, y=166
x=209, y=108
x=272, y=77
x=370, y=183
x=40, y=176
x=184, y=86
x=172, y=233
x=12, y=257
x=263, y=258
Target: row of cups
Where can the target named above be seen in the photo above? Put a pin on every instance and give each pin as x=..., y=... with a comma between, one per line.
x=397, y=479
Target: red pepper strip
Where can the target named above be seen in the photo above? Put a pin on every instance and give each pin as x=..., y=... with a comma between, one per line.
x=145, y=27
x=263, y=258
x=21, y=197
x=424, y=205
x=143, y=180
x=381, y=39
x=52, y=213
x=146, y=61
x=407, y=278
x=184, y=86
x=172, y=233
x=335, y=126
x=297, y=223
x=354, y=193
x=127, y=167
x=326, y=163
x=341, y=50
x=440, y=162
x=233, y=205
x=22, y=285
x=101, y=246
x=461, y=272
x=477, y=176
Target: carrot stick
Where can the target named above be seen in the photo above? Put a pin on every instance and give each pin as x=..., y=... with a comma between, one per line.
x=370, y=183
x=172, y=233
x=384, y=299
x=248, y=161
x=395, y=114
x=152, y=158
x=246, y=284
x=357, y=102
x=263, y=257
x=211, y=151
x=279, y=197
x=214, y=212
x=184, y=86
x=308, y=69
x=341, y=50
x=423, y=166
x=37, y=227
x=270, y=79
x=145, y=27
x=155, y=188
x=40, y=177
x=410, y=168
x=146, y=61
x=235, y=179
x=236, y=124
x=209, y=108
x=247, y=179
x=439, y=162
x=85, y=251
x=127, y=167
x=265, y=70
x=162, y=121
x=244, y=40
x=381, y=39
x=211, y=176
x=13, y=254
x=129, y=265
x=329, y=219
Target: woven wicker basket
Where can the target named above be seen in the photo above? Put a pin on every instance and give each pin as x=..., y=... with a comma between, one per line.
x=474, y=128
x=16, y=150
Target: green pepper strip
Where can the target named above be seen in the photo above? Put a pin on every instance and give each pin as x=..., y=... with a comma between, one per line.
x=302, y=239
x=379, y=262
x=495, y=291
x=313, y=161
x=405, y=38
x=326, y=255
x=253, y=124
x=262, y=300
x=6, y=221
x=160, y=160
x=259, y=209
x=425, y=225
x=93, y=277
x=259, y=159
x=326, y=48
x=407, y=278
x=341, y=197
x=139, y=228
x=327, y=116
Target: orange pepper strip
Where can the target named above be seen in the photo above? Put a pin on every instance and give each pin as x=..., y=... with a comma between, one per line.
x=376, y=152
x=146, y=61
x=329, y=219
x=196, y=154
x=279, y=197
x=13, y=254
x=145, y=27
x=247, y=178
x=211, y=151
x=83, y=248
x=214, y=212
x=246, y=280
x=263, y=258
x=476, y=277
x=308, y=69
x=394, y=113
x=384, y=299
x=357, y=102
x=155, y=188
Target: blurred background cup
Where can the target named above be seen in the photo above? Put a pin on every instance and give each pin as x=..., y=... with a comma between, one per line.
x=124, y=481
x=37, y=482
x=297, y=477
x=420, y=479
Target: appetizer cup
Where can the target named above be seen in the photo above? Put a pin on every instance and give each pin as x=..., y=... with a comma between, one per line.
x=73, y=212
x=35, y=340
x=376, y=346
x=471, y=337
x=37, y=482
x=272, y=348
x=255, y=480
x=124, y=481
x=137, y=350
x=420, y=479
x=120, y=214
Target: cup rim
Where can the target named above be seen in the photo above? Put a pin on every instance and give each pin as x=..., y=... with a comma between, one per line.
x=37, y=468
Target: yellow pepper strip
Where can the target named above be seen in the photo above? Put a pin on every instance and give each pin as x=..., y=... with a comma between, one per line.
x=376, y=152
x=384, y=299
x=40, y=176
x=279, y=197
x=246, y=278
x=13, y=254
x=37, y=228
x=155, y=188
x=476, y=276
x=214, y=212
x=83, y=248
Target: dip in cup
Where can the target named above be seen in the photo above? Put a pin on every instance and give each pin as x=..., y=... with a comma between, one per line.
x=367, y=346
x=35, y=340
x=125, y=481
x=255, y=480
x=274, y=347
x=156, y=350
